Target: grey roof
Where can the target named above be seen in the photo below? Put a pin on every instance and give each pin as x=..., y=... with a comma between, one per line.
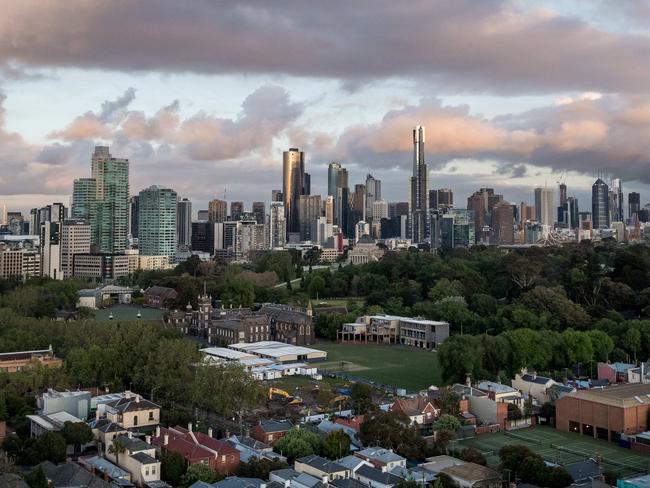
x=276, y=425
x=286, y=473
x=132, y=404
x=157, y=484
x=133, y=444
x=10, y=480
x=144, y=458
x=377, y=476
x=381, y=454
x=200, y=484
x=71, y=474
x=252, y=443
x=351, y=462
x=562, y=388
x=105, y=425
x=540, y=380
x=307, y=480
x=236, y=482
x=322, y=464
x=286, y=316
x=348, y=483
x=417, y=474
x=583, y=470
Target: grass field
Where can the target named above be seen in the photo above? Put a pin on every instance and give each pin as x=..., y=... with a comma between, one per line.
x=128, y=312
x=561, y=448
x=398, y=366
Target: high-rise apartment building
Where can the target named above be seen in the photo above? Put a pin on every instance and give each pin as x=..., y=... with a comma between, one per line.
x=545, y=206
x=329, y=209
x=112, y=179
x=442, y=197
x=277, y=226
x=276, y=196
x=259, y=212
x=309, y=209
x=503, y=221
x=526, y=212
x=134, y=216
x=217, y=211
x=157, y=230
x=478, y=204
x=616, y=207
x=293, y=181
x=600, y=204
x=236, y=210
x=51, y=250
x=573, y=219
x=418, y=216
x=184, y=224
x=633, y=205
x=84, y=199
x=373, y=193
x=75, y=239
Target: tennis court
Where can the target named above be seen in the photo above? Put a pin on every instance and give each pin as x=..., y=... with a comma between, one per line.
x=561, y=448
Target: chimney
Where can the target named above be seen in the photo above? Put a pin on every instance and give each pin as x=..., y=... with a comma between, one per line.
x=130, y=434
x=468, y=381
x=137, y=398
x=158, y=431
x=189, y=426
x=166, y=440
x=127, y=394
x=209, y=431
x=97, y=414
x=147, y=439
x=227, y=434
x=534, y=375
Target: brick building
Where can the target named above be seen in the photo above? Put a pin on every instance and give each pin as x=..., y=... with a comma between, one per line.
x=605, y=413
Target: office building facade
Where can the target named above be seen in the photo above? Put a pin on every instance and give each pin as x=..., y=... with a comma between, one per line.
x=157, y=227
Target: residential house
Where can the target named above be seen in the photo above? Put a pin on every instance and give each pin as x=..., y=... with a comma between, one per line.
x=472, y=475
x=380, y=458
x=353, y=463
x=502, y=393
x=76, y=403
x=375, y=478
x=614, y=372
x=252, y=448
x=321, y=468
x=105, y=430
x=269, y=431
x=105, y=468
x=422, y=410
x=71, y=474
x=198, y=448
x=487, y=410
x=290, y=478
x=534, y=386
x=436, y=464
x=54, y=422
x=237, y=482
x=160, y=297
x=11, y=362
x=326, y=426
x=139, y=459
x=133, y=412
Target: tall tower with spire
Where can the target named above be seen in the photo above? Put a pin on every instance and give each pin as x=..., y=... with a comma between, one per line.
x=419, y=189
x=205, y=309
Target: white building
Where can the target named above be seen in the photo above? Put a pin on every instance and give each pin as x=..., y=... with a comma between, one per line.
x=75, y=239
x=277, y=226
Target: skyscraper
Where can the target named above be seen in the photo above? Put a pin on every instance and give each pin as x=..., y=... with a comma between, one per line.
x=503, y=220
x=634, y=205
x=293, y=181
x=373, y=193
x=600, y=204
x=217, y=211
x=75, y=239
x=563, y=196
x=184, y=223
x=309, y=209
x=112, y=178
x=134, y=215
x=332, y=175
x=51, y=249
x=306, y=184
x=419, y=189
x=544, y=206
x=616, y=205
x=236, y=210
x=259, y=211
x=84, y=199
x=357, y=211
x=277, y=226
x=157, y=230
x=573, y=211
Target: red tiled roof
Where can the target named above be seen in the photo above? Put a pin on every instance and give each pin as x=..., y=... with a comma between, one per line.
x=216, y=445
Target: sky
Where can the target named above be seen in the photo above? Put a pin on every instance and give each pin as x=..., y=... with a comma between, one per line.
x=204, y=96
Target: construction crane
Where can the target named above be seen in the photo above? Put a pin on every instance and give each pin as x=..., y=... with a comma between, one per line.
x=291, y=400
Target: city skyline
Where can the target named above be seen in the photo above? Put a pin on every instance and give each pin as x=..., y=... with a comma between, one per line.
x=202, y=122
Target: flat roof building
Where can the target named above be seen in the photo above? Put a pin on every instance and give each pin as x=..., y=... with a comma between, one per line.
x=605, y=413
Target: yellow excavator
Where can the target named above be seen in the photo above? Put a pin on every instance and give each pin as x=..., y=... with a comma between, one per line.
x=291, y=400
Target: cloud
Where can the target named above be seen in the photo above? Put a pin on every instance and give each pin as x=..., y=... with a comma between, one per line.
x=492, y=46
x=588, y=135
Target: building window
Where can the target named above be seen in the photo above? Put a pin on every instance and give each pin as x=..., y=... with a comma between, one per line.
x=146, y=471
x=151, y=415
x=135, y=420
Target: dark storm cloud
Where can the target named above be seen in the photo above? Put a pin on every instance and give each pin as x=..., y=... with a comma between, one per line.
x=491, y=46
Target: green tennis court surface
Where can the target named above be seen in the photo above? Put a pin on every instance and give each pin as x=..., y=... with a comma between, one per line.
x=561, y=448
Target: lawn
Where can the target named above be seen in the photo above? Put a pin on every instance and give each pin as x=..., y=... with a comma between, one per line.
x=562, y=448
x=397, y=366
x=128, y=312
